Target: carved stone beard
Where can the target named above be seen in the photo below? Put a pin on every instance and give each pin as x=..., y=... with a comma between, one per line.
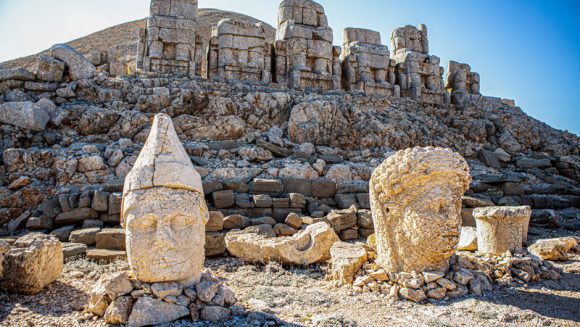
x=419, y=228
x=165, y=234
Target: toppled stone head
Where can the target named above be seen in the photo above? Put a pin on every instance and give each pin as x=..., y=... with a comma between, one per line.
x=164, y=211
x=416, y=205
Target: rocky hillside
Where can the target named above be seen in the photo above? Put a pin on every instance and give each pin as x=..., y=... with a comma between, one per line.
x=124, y=37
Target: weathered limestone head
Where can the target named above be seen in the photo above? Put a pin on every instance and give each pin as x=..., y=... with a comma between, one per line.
x=302, y=12
x=416, y=206
x=410, y=38
x=164, y=210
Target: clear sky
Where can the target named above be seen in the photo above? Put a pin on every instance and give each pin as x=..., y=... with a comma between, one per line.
x=528, y=50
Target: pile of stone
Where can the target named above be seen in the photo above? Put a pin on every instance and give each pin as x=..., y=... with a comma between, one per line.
x=468, y=274
x=121, y=299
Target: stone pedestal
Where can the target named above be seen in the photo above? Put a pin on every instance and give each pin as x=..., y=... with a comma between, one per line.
x=501, y=229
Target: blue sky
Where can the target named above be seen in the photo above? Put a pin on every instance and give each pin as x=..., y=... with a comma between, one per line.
x=528, y=50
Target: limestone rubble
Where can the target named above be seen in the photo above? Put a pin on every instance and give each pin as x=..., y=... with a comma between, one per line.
x=309, y=246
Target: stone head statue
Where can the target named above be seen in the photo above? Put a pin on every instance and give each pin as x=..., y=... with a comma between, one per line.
x=416, y=206
x=164, y=211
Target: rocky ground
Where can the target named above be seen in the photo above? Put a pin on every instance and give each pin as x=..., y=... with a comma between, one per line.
x=277, y=295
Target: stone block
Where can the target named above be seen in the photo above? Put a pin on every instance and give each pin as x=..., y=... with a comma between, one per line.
x=323, y=188
x=73, y=249
x=75, y=216
x=272, y=187
x=297, y=185
x=114, y=205
x=346, y=187
x=63, y=233
x=363, y=200
x=342, y=219
x=262, y=200
x=236, y=222
x=27, y=115
x=215, y=222
x=297, y=200
x=102, y=255
x=111, y=239
x=349, y=234
x=215, y=244
x=501, y=229
x=84, y=236
x=488, y=158
x=345, y=201
x=78, y=66
x=39, y=223
x=293, y=220
x=33, y=262
x=49, y=69
x=243, y=200
x=281, y=203
x=223, y=199
x=280, y=214
x=100, y=201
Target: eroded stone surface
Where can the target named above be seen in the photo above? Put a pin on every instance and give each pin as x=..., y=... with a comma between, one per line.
x=33, y=261
x=501, y=229
x=555, y=249
x=306, y=247
x=164, y=211
x=416, y=206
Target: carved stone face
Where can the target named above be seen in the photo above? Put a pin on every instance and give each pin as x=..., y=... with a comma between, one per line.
x=165, y=234
x=416, y=204
x=431, y=222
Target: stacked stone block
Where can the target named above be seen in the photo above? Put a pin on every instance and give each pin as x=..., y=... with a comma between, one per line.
x=305, y=56
x=168, y=44
x=239, y=51
x=418, y=73
x=366, y=63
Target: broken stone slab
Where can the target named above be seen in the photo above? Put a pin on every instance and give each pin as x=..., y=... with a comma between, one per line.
x=73, y=249
x=78, y=66
x=85, y=236
x=19, y=74
x=555, y=249
x=102, y=255
x=309, y=246
x=27, y=115
x=467, y=239
x=501, y=229
x=148, y=311
x=347, y=259
x=33, y=262
x=111, y=239
x=75, y=216
x=342, y=219
x=215, y=244
x=49, y=69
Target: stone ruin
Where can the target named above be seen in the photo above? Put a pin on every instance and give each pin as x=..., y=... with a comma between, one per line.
x=305, y=56
x=366, y=63
x=464, y=86
x=169, y=44
x=418, y=73
x=73, y=134
x=239, y=51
